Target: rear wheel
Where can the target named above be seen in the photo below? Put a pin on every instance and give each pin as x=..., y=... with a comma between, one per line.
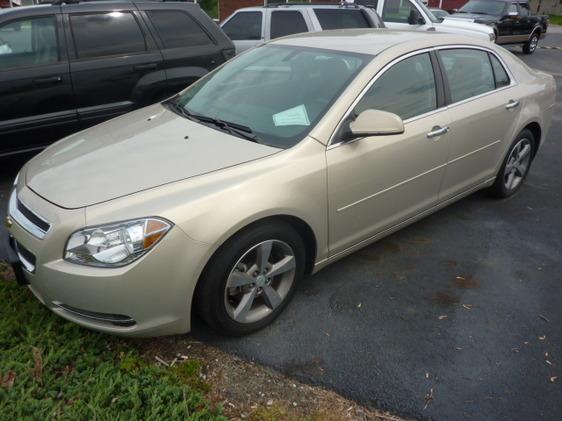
x=515, y=167
x=530, y=46
x=251, y=278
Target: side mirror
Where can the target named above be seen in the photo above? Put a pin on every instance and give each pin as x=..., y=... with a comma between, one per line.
x=415, y=18
x=375, y=123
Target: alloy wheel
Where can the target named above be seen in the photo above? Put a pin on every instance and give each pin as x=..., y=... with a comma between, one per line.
x=517, y=164
x=260, y=281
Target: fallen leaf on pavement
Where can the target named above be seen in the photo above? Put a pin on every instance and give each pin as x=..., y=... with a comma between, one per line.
x=553, y=379
x=8, y=379
x=467, y=306
x=37, y=370
x=542, y=338
x=442, y=317
x=428, y=398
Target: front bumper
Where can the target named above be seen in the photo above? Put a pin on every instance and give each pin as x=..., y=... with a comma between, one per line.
x=150, y=297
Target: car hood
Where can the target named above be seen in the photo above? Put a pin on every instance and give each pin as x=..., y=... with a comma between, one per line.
x=140, y=150
x=463, y=26
x=471, y=17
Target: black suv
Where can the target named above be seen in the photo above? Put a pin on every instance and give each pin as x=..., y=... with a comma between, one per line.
x=64, y=67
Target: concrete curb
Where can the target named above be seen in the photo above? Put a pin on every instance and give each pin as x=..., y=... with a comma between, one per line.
x=548, y=47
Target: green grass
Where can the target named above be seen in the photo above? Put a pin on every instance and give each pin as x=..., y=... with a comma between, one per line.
x=555, y=19
x=53, y=369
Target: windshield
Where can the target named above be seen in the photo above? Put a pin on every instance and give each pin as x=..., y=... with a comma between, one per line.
x=278, y=93
x=483, y=7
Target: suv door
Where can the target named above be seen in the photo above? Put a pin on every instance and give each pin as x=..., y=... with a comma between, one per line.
x=37, y=103
x=377, y=182
x=245, y=29
x=483, y=105
x=115, y=64
x=398, y=14
x=189, y=49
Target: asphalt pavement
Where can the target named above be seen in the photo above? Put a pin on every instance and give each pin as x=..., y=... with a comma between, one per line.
x=457, y=316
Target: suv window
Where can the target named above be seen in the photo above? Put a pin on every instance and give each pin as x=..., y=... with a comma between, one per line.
x=501, y=77
x=244, y=26
x=469, y=72
x=178, y=29
x=29, y=42
x=341, y=19
x=406, y=89
x=512, y=8
x=287, y=23
x=106, y=34
x=397, y=11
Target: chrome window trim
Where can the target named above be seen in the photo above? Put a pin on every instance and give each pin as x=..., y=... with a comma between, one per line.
x=21, y=219
x=512, y=82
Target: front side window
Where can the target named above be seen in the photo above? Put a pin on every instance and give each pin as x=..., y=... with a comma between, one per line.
x=287, y=23
x=484, y=7
x=406, y=89
x=524, y=9
x=512, y=9
x=29, y=42
x=501, y=77
x=244, y=26
x=341, y=18
x=468, y=72
x=397, y=11
x=106, y=34
x=279, y=92
x=178, y=29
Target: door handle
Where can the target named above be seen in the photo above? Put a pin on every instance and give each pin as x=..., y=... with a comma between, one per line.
x=150, y=66
x=437, y=131
x=512, y=104
x=47, y=80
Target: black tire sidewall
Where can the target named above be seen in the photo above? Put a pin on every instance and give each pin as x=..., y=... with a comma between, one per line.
x=527, y=47
x=498, y=188
x=210, y=294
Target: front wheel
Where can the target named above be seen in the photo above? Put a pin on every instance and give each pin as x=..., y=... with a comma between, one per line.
x=251, y=278
x=530, y=46
x=515, y=167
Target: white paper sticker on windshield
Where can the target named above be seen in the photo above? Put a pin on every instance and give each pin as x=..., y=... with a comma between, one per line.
x=296, y=116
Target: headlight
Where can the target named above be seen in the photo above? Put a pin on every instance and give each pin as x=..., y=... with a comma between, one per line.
x=116, y=244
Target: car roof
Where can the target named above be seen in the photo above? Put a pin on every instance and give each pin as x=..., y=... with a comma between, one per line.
x=281, y=6
x=373, y=41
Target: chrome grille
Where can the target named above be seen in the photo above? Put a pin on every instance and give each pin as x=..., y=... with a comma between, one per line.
x=26, y=218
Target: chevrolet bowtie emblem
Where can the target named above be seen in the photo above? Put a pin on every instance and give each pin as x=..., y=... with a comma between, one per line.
x=8, y=222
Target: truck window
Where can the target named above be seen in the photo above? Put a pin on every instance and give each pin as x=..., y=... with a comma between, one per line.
x=106, y=34
x=29, y=42
x=341, y=19
x=397, y=11
x=524, y=9
x=177, y=29
x=244, y=26
x=287, y=23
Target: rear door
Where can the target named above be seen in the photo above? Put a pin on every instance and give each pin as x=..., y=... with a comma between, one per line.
x=189, y=49
x=115, y=64
x=288, y=22
x=246, y=29
x=37, y=104
x=483, y=105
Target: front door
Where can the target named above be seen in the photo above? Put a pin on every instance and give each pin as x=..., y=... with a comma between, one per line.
x=115, y=64
x=399, y=14
x=37, y=105
x=377, y=182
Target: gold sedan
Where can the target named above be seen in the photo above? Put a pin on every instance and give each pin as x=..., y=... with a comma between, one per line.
x=280, y=162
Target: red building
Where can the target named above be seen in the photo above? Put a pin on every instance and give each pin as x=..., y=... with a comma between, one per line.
x=447, y=4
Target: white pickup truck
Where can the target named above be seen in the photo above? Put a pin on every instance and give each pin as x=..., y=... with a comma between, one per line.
x=250, y=26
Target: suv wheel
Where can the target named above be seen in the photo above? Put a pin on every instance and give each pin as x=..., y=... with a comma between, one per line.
x=251, y=278
x=530, y=46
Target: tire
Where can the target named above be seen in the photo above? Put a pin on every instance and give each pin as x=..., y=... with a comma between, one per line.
x=515, y=167
x=225, y=285
x=530, y=46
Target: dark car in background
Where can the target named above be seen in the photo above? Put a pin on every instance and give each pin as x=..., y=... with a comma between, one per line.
x=65, y=67
x=513, y=21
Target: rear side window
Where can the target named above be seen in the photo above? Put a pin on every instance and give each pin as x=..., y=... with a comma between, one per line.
x=177, y=29
x=106, y=34
x=469, y=72
x=244, y=26
x=501, y=77
x=341, y=19
x=406, y=89
x=29, y=42
x=287, y=23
